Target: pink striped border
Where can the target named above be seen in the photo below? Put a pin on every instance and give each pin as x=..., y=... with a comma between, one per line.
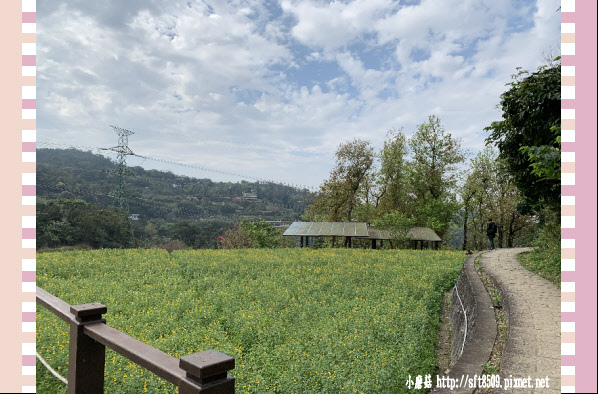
x=569, y=226
x=578, y=196
x=28, y=188
x=567, y=196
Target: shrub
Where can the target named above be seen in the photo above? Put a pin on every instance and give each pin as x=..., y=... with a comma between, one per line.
x=545, y=259
x=250, y=235
x=234, y=238
x=172, y=245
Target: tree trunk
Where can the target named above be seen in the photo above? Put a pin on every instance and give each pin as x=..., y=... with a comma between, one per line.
x=465, y=231
x=511, y=230
x=466, y=217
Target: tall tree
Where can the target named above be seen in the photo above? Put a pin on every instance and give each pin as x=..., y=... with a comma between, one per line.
x=433, y=175
x=346, y=188
x=528, y=137
x=392, y=177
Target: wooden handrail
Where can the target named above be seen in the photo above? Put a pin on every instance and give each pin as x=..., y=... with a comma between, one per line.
x=162, y=364
x=204, y=372
x=54, y=304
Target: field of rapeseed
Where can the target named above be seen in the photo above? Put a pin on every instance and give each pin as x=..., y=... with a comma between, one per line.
x=296, y=320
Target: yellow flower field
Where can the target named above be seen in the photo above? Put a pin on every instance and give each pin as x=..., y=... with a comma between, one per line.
x=296, y=320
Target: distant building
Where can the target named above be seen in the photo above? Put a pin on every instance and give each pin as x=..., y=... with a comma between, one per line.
x=134, y=216
x=250, y=196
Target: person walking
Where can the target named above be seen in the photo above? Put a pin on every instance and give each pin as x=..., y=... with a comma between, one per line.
x=491, y=232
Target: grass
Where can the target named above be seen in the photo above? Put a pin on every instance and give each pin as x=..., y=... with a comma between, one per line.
x=545, y=263
x=545, y=259
x=296, y=320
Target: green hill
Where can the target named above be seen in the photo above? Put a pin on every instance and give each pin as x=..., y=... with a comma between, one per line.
x=160, y=203
x=153, y=194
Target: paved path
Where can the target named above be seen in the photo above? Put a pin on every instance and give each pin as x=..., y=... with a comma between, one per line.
x=533, y=307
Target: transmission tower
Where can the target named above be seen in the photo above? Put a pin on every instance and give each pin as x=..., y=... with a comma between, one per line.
x=120, y=193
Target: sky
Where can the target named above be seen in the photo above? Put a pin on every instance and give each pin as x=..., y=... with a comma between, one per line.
x=264, y=89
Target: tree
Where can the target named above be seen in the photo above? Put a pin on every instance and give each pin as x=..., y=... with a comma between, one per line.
x=488, y=193
x=234, y=238
x=72, y=222
x=433, y=175
x=528, y=137
x=348, y=183
x=250, y=235
x=402, y=193
x=392, y=177
x=261, y=234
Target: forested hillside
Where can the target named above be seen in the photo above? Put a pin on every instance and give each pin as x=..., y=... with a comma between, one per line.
x=162, y=203
x=67, y=174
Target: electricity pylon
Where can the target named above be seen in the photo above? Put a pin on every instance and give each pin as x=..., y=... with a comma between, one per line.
x=120, y=193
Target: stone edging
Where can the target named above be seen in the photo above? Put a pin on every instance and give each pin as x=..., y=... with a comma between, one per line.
x=481, y=330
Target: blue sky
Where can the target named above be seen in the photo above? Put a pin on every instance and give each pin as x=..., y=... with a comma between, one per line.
x=268, y=89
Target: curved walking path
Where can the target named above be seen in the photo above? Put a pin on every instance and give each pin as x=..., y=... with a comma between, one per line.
x=533, y=306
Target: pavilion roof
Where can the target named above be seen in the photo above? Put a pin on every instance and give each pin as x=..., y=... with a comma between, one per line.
x=355, y=229
x=414, y=234
x=328, y=229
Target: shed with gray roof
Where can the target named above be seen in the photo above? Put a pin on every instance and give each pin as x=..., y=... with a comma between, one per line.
x=360, y=230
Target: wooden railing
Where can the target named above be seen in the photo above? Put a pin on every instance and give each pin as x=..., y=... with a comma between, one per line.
x=204, y=372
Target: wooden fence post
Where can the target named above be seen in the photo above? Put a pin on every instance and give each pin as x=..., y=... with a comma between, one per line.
x=86, y=356
x=207, y=373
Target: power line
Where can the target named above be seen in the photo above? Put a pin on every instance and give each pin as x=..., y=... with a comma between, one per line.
x=123, y=151
x=197, y=167
x=226, y=172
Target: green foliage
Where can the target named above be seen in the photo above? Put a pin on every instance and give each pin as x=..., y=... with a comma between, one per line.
x=545, y=259
x=344, y=190
x=545, y=160
x=528, y=137
x=421, y=188
x=490, y=368
x=296, y=320
x=261, y=234
x=436, y=155
x=170, y=207
x=318, y=243
x=198, y=235
x=489, y=193
x=72, y=222
x=398, y=224
x=392, y=176
x=160, y=195
x=250, y=235
x=234, y=238
x=433, y=175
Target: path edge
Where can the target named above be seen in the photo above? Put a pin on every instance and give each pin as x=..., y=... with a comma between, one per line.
x=482, y=331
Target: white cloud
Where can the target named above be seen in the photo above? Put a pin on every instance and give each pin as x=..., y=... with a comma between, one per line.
x=336, y=24
x=369, y=82
x=224, y=84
